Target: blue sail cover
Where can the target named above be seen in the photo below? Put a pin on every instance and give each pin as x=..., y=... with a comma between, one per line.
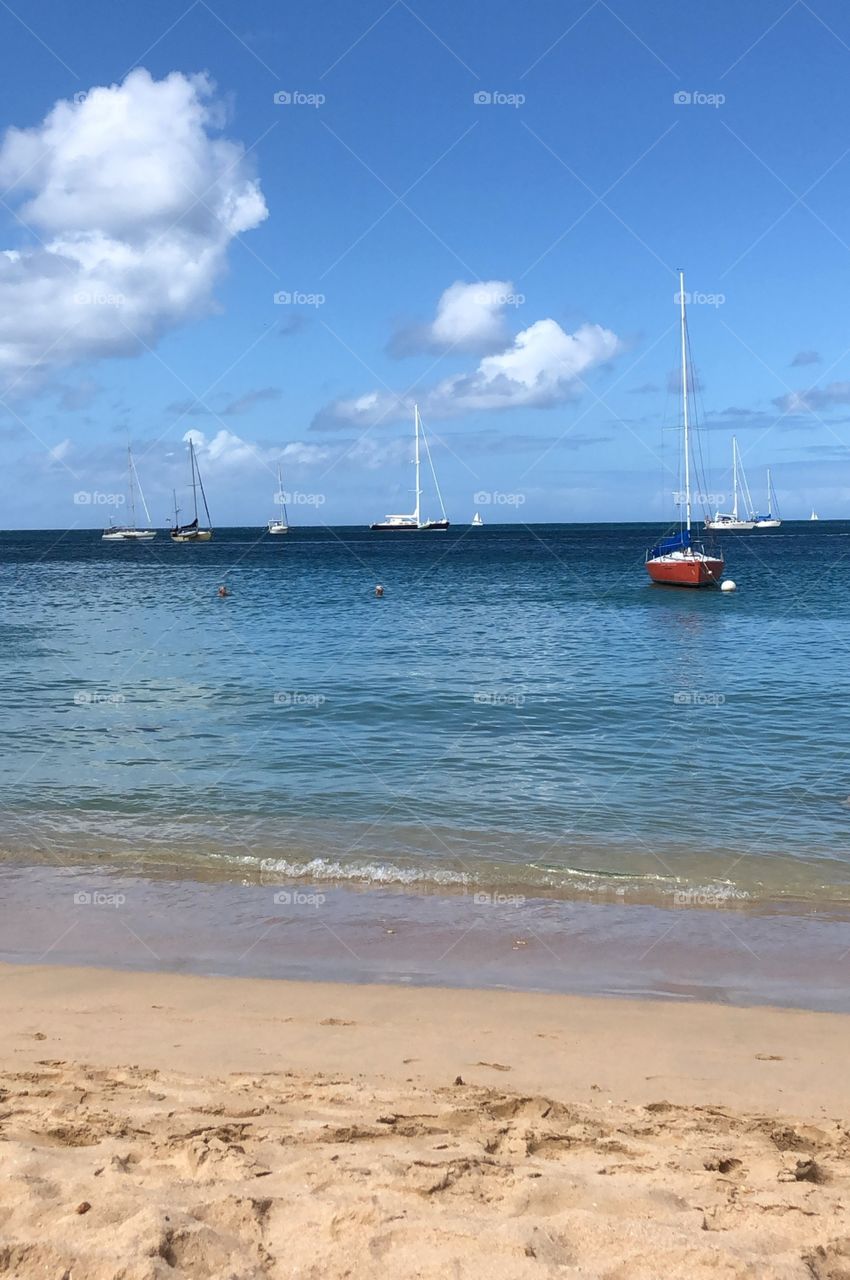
x=678, y=542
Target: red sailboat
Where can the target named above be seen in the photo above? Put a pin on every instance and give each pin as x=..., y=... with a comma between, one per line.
x=679, y=560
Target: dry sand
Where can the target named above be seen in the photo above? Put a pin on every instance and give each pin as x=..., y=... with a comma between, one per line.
x=157, y=1126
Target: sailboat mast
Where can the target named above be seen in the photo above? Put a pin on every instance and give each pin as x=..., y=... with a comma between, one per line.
x=769, y=495
x=734, y=478
x=685, y=401
x=416, y=457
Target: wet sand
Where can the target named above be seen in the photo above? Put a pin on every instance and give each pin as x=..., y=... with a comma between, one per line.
x=158, y=1125
x=734, y=952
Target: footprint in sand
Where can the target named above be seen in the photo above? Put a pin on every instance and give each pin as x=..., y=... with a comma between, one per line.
x=769, y=1057
x=336, y=1022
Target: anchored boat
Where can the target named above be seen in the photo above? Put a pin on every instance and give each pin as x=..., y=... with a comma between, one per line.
x=414, y=523
x=732, y=522
x=192, y=532
x=129, y=532
x=770, y=521
x=279, y=525
x=678, y=560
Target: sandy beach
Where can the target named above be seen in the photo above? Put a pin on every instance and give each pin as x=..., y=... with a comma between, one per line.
x=156, y=1125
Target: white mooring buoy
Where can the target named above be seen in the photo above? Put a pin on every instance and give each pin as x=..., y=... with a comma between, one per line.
x=728, y=585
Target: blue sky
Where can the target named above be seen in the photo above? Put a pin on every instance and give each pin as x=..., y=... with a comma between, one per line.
x=152, y=225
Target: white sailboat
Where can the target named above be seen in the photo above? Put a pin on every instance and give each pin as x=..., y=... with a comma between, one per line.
x=477, y=521
x=770, y=521
x=192, y=532
x=814, y=515
x=279, y=525
x=732, y=521
x=413, y=522
x=129, y=532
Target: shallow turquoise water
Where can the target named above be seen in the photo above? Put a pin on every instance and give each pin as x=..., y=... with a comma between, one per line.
x=522, y=708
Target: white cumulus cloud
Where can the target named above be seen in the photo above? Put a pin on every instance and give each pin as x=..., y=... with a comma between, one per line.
x=469, y=318
x=543, y=366
x=131, y=198
x=226, y=451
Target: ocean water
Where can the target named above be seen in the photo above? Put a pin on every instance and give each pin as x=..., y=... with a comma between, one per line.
x=523, y=711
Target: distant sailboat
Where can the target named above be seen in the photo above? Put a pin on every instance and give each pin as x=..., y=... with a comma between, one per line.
x=733, y=522
x=192, y=532
x=414, y=523
x=770, y=521
x=477, y=521
x=279, y=525
x=814, y=515
x=677, y=560
x=129, y=532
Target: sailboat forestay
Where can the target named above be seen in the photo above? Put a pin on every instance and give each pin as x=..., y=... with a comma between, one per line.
x=414, y=523
x=732, y=522
x=129, y=532
x=678, y=560
x=192, y=532
x=279, y=524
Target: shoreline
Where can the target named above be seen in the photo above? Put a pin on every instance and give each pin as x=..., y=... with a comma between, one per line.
x=784, y=955
x=443, y=860
x=638, y=1050
x=160, y=1125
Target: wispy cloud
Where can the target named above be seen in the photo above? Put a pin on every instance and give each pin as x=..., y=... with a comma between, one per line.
x=815, y=399
x=805, y=357
x=251, y=398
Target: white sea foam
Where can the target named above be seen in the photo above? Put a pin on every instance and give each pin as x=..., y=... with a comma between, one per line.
x=365, y=873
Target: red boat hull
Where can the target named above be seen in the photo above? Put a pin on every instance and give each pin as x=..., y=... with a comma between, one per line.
x=685, y=571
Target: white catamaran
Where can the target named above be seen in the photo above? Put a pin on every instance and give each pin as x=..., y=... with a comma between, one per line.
x=279, y=524
x=192, y=532
x=732, y=521
x=129, y=532
x=771, y=520
x=414, y=522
